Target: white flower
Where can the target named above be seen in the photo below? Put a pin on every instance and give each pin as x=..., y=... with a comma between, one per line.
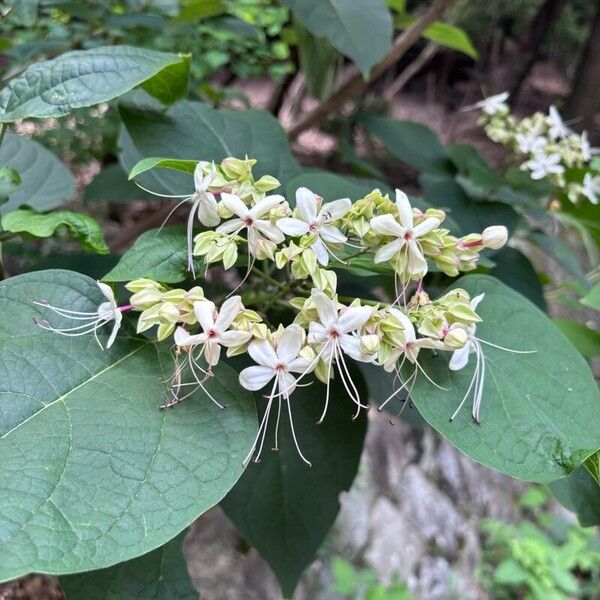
x=531, y=142
x=494, y=237
x=278, y=361
x=544, y=164
x=558, y=129
x=252, y=219
x=91, y=321
x=310, y=222
x=336, y=334
x=215, y=329
x=406, y=235
x=591, y=187
x=492, y=104
x=586, y=150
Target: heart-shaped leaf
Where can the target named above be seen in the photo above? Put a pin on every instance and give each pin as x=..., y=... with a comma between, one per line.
x=160, y=575
x=195, y=131
x=285, y=508
x=160, y=255
x=93, y=473
x=54, y=87
x=45, y=182
x=540, y=415
x=580, y=493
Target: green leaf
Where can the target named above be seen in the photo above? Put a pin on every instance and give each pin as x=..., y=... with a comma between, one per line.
x=362, y=31
x=515, y=270
x=580, y=493
x=159, y=575
x=45, y=182
x=10, y=180
x=584, y=338
x=87, y=77
x=158, y=254
x=197, y=10
x=540, y=415
x=111, y=185
x=560, y=253
x=194, y=131
x=93, y=473
x=85, y=229
x=147, y=164
x=412, y=143
x=444, y=34
x=592, y=298
x=285, y=508
x=592, y=464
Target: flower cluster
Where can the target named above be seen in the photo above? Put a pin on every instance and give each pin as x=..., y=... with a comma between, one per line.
x=327, y=331
x=546, y=147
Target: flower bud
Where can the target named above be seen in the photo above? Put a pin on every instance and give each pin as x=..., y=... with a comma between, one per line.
x=145, y=298
x=494, y=237
x=369, y=344
x=194, y=294
x=175, y=296
x=235, y=168
x=168, y=313
x=137, y=285
x=455, y=338
x=230, y=256
x=223, y=211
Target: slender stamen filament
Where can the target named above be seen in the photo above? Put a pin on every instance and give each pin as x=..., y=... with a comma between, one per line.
x=263, y=426
x=287, y=399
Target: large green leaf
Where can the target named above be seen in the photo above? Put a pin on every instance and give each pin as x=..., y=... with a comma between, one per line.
x=580, y=493
x=412, y=143
x=160, y=255
x=195, y=131
x=45, y=182
x=592, y=298
x=112, y=185
x=540, y=412
x=360, y=30
x=86, y=77
x=159, y=575
x=285, y=508
x=85, y=229
x=93, y=473
x=584, y=338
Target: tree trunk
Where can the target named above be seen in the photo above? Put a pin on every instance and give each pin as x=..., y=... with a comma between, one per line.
x=584, y=100
x=530, y=44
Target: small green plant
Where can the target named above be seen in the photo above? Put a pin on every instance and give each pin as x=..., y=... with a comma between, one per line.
x=544, y=559
x=363, y=584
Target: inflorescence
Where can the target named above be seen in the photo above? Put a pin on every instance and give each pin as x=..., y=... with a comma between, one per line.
x=246, y=224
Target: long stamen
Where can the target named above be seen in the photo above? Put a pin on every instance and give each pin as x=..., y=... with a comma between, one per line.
x=187, y=196
x=260, y=428
x=396, y=392
x=71, y=332
x=308, y=370
x=479, y=389
x=506, y=349
x=268, y=412
x=190, y=235
x=248, y=271
x=344, y=369
x=439, y=387
x=328, y=383
x=186, y=199
x=64, y=312
x=475, y=375
x=287, y=399
x=276, y=447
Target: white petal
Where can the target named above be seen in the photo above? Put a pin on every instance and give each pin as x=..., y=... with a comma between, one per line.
x=476, y=300
x=230, y=339
x=460, y=358
x=300, y=365
x=207, y=211
x=289, y=344
x=416, y=264
x=387, y=225
x=230, y=309
x=255, y=378
x=262, y=353
x=354, y=318
x=212, y=353
x=293, y=227
x=181, y=337
x=288, y=381
x=331, y=234
x=321, y=252
x=426, y=226
x=205, y=313
x=113, y=333
x=405, y=212
x=306, y=203
x=388, y=251
x=265, y=205
x=230, y=226
x=234, y=204
x=328, y=314
x=269, y=230
x=335, y=210
x=317, y=334
x=107, y=292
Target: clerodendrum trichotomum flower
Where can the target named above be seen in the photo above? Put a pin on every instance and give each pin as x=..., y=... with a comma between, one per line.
x=334, y=335
x=90, y=322
x=277, y=360
x=318, y=222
